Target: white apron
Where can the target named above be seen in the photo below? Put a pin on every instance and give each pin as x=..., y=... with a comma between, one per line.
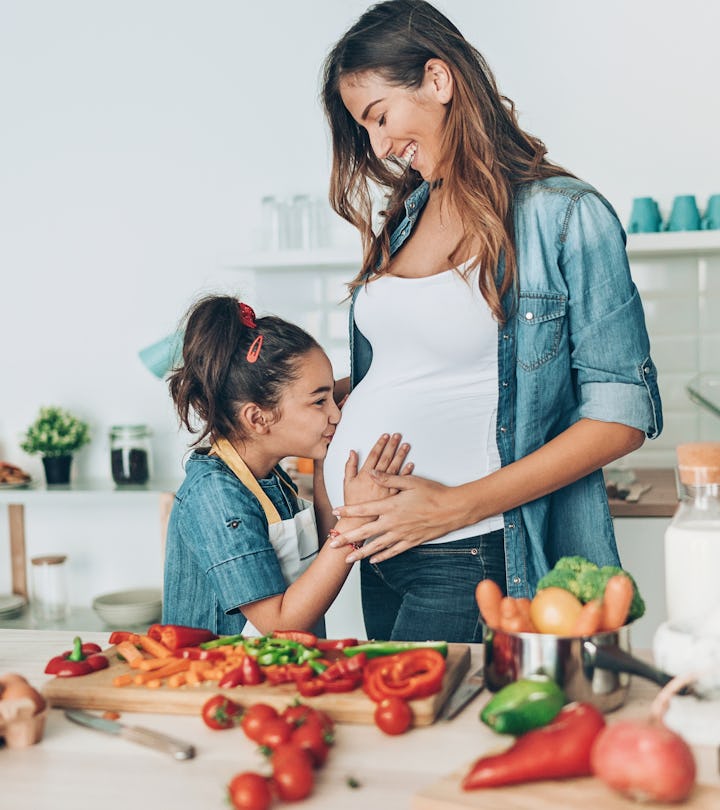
x=295, y=541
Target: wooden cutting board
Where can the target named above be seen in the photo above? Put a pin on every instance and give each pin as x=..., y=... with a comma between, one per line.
x=96, y=691
x=569, y=794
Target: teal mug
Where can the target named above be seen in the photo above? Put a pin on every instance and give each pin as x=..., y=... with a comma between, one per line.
x=711, y=218
x=685, y=215
x=645, y=216
x=160, y=358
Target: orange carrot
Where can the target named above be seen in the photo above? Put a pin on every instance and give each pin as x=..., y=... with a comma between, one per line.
x=123, y=680
x=174, y=666
x=129, y=652
x=155, y=648
x=523, y=606
x=589, y=619
x=489, y=596
x=149, y=664
x=616, y=601
x=178, y=679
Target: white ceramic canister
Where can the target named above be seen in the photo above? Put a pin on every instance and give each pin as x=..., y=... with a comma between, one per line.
x=692, y=541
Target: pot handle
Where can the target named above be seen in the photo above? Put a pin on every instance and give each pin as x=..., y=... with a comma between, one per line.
x=617, y=660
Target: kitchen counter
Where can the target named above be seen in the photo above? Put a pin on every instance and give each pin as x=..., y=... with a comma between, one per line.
x=78, y=769
x=660, y=500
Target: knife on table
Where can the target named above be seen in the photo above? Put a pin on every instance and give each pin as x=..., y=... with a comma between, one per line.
x=145, y=736
x=471, y=686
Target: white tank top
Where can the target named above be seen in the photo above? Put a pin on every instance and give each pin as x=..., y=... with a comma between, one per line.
x=433, y=378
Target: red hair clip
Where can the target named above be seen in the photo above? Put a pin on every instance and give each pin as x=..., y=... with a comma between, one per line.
x=254, y=350
x=247, y=315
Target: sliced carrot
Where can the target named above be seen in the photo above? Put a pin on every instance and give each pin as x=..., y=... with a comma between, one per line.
x=149, y=664
x=178, y=679
x=177, y=665
x=193, y=678
x=616, y=601
x=489, y=596
x=155, y=648
x=155, y=683
x=123, y=680
x=589, y=619
x=129, y=652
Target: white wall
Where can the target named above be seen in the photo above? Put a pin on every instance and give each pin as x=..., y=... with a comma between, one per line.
x=137, y=139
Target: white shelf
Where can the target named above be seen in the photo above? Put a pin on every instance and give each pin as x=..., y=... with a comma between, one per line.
x=325, y=259
x=673, y=243
x=39, y=491
x=639, y=245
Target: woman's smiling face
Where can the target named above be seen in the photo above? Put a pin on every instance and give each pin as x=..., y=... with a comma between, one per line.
x=406, y=123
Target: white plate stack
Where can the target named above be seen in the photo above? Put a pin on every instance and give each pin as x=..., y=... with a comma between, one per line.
x=11, y=605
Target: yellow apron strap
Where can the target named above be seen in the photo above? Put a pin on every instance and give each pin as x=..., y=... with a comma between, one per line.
x=227, y=453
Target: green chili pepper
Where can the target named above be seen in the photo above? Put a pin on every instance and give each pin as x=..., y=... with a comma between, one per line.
x=223, y=641
x=374, y=649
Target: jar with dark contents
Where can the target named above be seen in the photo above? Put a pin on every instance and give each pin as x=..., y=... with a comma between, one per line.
x=130, y=454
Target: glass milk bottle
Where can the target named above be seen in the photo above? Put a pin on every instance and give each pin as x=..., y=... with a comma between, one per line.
x=692, y=541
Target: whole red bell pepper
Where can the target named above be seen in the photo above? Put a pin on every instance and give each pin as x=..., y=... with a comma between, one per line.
x=558, y=750
x=81, y=660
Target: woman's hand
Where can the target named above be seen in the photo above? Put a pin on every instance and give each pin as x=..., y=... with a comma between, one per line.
x=387, y=457
x=420, y=510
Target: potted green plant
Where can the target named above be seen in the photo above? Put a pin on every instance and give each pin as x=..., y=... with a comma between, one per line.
x=56, y=434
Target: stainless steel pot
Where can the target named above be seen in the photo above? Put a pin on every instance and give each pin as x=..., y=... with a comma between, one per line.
x=595, y=669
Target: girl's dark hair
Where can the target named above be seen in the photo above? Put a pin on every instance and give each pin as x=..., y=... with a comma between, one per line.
x=486, y=153
x=216, y=378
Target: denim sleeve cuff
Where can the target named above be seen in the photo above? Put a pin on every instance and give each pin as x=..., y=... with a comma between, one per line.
x=247, y=578
x=620, y=402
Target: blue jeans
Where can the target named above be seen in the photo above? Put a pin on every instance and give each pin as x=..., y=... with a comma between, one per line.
x=428, y=592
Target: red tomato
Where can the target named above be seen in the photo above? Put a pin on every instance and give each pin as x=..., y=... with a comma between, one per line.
x=311, y=738
x=298, y=713
x=249, y=791
x=273, y=732
x=393, y=716
x=219, y=712
x=292, y=776
x=255, y=717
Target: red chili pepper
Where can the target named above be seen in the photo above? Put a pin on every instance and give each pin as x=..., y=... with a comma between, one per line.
x=118, y=636
x=558, y=750
x=300, y=636
x=81, y=660
x=330, y=644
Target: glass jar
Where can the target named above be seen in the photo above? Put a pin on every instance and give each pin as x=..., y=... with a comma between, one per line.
x=49, y=588
x=692, y=541
x=130, y=454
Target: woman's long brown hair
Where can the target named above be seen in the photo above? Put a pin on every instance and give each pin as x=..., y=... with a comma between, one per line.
x=487, y=154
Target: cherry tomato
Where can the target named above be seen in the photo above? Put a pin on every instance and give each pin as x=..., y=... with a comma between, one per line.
x=274, y=731
x=311, y=738
x=393, y=716
x=293, y=777
x=249, y=791
x=255, y=717
x=298, y=713
x=219, y=712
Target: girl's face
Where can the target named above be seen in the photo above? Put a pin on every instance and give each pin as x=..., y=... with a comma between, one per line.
x=308, y=413
x=406, y=123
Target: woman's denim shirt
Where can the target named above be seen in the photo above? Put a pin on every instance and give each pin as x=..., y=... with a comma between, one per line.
x=574, y=346
x=218, y=554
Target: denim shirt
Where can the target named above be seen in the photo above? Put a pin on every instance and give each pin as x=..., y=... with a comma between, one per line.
x=574, y=346
x=218, y=553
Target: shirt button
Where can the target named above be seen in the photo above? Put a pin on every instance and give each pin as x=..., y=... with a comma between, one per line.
x=647, y=369
x=234, y=524
x=529, y=316
x=503, y=429
x=516, y=580
x=505, y=383
x=506, y=337
x=511, y=525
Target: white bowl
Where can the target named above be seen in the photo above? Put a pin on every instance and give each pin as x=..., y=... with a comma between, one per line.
x=128, y=608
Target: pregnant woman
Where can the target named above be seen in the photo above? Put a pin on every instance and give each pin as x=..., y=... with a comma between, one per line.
x=494, y=323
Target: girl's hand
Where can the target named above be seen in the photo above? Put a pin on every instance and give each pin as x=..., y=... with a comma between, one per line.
x=421, y=510
x=387, y=456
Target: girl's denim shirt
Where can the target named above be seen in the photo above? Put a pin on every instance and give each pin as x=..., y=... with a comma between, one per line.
x=574, y=346
x=219, y=554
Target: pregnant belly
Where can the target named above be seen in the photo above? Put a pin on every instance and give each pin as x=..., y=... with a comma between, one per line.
x=448, y=434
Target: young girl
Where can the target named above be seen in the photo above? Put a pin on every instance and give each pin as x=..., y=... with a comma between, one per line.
x=242, y=550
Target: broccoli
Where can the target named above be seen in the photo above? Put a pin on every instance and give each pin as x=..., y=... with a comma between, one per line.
x=587, y=581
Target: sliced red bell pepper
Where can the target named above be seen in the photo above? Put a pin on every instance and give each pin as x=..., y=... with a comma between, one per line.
x=330, y=644
x=344, y=667
x=407, y=675
x=198, y=654
x=300, y=636
x=118, y=636
x=311, y=687
x=346, y=684
x=175, y=636
x=248, y=673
